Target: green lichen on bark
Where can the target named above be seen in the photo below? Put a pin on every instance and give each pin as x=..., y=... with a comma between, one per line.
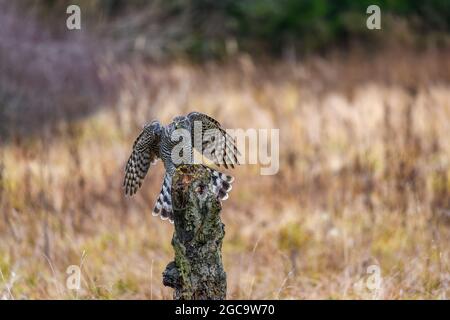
x=197, y=272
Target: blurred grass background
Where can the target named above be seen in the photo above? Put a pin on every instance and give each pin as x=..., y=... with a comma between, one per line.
x=364, y=143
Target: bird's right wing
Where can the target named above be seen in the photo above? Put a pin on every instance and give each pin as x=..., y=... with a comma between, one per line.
x=217, y=144
x=145, y=152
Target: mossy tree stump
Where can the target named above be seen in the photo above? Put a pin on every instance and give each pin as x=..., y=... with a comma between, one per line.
x=197, y=272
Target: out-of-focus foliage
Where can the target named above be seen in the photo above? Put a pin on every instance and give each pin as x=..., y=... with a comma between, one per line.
x=209, y=28
x=364, y=180
x=364, y=175
x=44, y=77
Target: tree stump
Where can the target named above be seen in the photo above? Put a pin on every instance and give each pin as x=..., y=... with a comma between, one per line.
x=197, y=272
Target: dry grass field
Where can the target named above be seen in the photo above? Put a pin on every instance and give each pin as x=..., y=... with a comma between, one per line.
x=364, y=180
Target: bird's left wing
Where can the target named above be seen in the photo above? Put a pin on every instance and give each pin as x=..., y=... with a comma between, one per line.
x=216, y=143
x=145, y=152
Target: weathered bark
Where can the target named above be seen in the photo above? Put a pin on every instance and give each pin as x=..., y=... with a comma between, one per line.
x=197, y=272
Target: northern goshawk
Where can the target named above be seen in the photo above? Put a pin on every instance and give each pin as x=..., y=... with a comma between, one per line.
x=204, y=134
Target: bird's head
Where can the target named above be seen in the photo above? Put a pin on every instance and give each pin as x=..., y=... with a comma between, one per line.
x=181, y=122
x=153, y=127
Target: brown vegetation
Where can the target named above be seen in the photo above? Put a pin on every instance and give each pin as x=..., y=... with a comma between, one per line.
x=364, y=179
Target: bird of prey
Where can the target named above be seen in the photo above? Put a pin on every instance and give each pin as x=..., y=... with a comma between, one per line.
x=205, y=134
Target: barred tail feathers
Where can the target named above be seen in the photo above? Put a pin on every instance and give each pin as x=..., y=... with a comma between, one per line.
x=221, y=184
x=163, y=206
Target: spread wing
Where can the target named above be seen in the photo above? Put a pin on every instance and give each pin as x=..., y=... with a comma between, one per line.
x=217, y=144
x=145, y=152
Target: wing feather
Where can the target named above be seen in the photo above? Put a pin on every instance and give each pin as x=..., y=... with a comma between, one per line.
x=222, y=149
x=145, y=152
